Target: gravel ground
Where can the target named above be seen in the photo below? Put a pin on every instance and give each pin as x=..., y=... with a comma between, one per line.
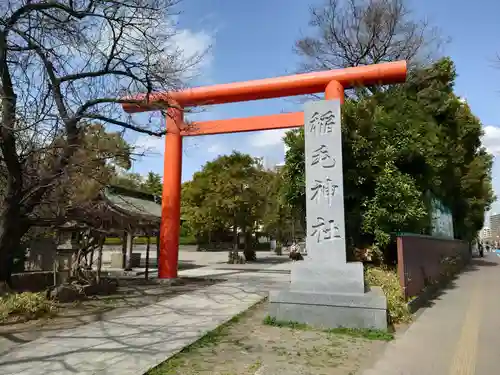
x=248, y=346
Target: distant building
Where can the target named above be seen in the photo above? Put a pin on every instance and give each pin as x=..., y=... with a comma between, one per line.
x=279, y=166
x=485, y=234
x=495, y=227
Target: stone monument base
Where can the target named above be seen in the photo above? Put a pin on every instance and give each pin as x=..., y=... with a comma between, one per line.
x=330, y=310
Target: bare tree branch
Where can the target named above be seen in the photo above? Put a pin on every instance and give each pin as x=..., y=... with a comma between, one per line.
x=362, y=32
x=63, y=65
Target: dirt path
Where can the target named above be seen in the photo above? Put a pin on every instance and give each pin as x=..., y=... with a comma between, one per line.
x=248, y=346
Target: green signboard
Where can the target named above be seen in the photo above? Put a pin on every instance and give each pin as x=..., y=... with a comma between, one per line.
x=441, y=219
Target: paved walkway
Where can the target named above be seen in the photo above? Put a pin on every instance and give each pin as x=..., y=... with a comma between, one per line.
x=136, y=341
x=458, y=335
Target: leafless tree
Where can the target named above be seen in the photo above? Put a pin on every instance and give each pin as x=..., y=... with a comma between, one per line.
x=360, y=32
x=65, y=64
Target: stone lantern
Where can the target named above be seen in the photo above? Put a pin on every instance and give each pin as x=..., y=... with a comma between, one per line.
x=67, y=249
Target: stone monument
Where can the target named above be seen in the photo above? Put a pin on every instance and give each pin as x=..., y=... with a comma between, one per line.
x=325, y=290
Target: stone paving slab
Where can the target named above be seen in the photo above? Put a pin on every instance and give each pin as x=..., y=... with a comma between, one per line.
x=136, y=341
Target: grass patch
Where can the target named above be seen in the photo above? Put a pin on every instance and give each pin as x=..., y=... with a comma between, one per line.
x=271, y=321
x=210, y=339
x=187, y=240
x=25, y=306
x=369, y=334
x=388, y=280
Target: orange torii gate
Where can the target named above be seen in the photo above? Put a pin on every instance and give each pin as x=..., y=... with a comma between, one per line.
x=332, y=82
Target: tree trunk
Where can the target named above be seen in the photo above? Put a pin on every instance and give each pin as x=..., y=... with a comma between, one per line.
x=99, y=260
x=249, y=251
x=233, y=253
x=235, y=236
x=90, y=263
x=124, y=250
x=12, y=230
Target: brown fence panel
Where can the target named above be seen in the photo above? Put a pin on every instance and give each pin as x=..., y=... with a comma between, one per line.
x=420, y=260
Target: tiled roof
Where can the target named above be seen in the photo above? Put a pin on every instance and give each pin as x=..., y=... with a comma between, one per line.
x=136, y=203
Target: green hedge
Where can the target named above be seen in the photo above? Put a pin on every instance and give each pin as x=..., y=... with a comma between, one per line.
x=142, y=241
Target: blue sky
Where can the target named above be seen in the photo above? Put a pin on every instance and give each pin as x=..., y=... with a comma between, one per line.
x=254, y=39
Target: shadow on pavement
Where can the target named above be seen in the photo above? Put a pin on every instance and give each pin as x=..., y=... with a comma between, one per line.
x=277, y=259
x=129, y=343
x=132, y=294
x=482, y=262
x=435, y=295
x=182, y=264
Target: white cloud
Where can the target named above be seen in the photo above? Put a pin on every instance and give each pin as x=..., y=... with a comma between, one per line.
x=150, y=145
x=216, y=148
x=194, y=46
x=491, y=139
x=184, y=52
x=267, y=138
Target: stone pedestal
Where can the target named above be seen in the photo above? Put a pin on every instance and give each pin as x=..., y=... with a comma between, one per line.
x=330, y=310
x=326, y=291
x=329, y=297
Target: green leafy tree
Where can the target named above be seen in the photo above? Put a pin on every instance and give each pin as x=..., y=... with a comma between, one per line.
x=278, y=217
x=462, y=178
x=397, y=145
x=153, y=184
x=226, y=194
x=293, y=188
x=201, y=215
x=397, y=205
x=91, y=167
x=129, y=180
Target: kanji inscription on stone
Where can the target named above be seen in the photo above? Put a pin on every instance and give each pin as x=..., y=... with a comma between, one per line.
x=323, y=191
x=325, y=240
x=322, y=122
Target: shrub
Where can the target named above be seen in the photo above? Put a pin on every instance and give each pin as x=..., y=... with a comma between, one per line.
x=388, y=280
x=188, y=240
x=25, y=305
